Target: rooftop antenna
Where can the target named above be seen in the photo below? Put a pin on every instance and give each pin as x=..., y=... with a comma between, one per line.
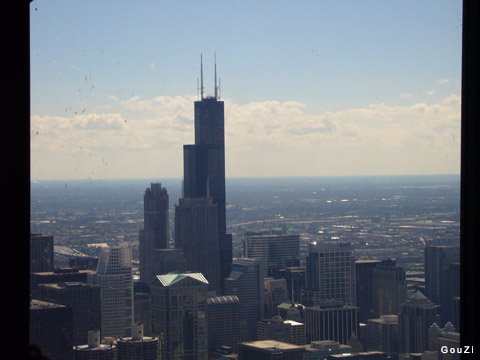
x=216, y=88
x=201, y=77
x=197, y=88
x=219, y=93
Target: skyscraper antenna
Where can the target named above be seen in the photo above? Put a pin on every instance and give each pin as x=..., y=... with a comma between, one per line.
x=197, y=88
x=216, y=89
x=219, y=94
x=201, y=77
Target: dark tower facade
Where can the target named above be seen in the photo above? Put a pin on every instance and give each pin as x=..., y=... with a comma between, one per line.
x=155, y=233
x=204, y=167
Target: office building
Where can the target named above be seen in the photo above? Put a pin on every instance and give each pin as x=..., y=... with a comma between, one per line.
x=94, y=349
x=51, y=329
x=83, y=298
x=437, y=289
x=246, y=282
x=417, y=314
x=367, y=355
x=58, y=275
x=137, y=346
x=331, y=321
x=41, y=253
x=276, y=293
x=141, y=311
x=383, y=334
x=295, y=277
x=389, y=288
x=196, y=234
x=330, y=274
x=291, y=311
x=223, y=322
x=204, y=166
x=319, y=350
x=155, y=234
x=451, y=311
x=114, y=276
x=277, y=250
x=447, y=337
x=276, y=328
x=179, y=315
x=270, y=350
x=83, y=263
x=364, y=288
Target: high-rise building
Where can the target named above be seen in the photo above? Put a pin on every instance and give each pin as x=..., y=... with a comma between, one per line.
x=179, y=315
x=137, y=346
x=246, y=282
x=437, y=261
x=196, y=233
x=383, y=334
x=83, y=298
x=448, y=337
x=223, y=322
x=333, y=321
x=41, y=253
x=276, y=293
x=204, y=166
x=270, y=350
x=389, y=288
x=94, y=349
x=330, y=274
x=319, y=350
x=276, y=328
x=295, y=277
x=155, y=234
x=114, y=276
x=142, y=312
x=417, y=314
x=58, y=275
x=51, y=329
x=277, y=250
x=367, y=355
x=364, y=287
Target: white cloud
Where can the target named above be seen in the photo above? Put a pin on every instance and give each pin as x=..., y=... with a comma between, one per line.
x=443, y=81
x=143, y=138
x=152, y=66
x=431, y=92
x=405, y=96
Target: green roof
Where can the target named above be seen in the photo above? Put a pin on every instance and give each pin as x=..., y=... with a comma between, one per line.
x=170, y=279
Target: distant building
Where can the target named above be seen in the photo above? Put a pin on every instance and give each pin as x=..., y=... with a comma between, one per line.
x=137, y=347
x=332, y=321
x=41, y=253
x=246, y=282
x=330, y=274
x=196, y=233
x=141, y=311
x=155, y=234
x=83, y=263
x=179, y=315
x=83, y=298
x=276, y=328
x=277, y=250
x=437, y=286
x=417, y=314
x=114, y=276
x=319, y=350
x=426, y=355
x=447, y=337
x=452, y=298
x=383, y=334
x=364, y=288
x=291, y=311
x=295, y=278
x=367, y=355
x=223, y=322
x=51, y=329
x=275, y=293
x=389, y=288
x=94, y=349
x=270, y=350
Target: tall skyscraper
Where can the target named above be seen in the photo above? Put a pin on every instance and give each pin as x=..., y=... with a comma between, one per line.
x=277, y=250
x=364, y=287
x=437, y=261
x=204, y=166
x=276, y=293
x=416, y=316
x=223, y=322
x=41, y=253
x=155, y=233
x=94, y=349
x=383, y=334
x=114, y=275
x=246, y=282
x=179, y=315
x=389, y=288
x=330, y=274
x=137, y=346
x=196, y=233
x=270, y=350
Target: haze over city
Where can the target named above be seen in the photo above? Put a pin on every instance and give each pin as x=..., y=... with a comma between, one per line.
x=318, y=89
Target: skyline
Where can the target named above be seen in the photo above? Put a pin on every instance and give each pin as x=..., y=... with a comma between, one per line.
x=330, y=89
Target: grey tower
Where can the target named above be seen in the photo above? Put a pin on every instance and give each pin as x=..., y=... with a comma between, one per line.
x=204, y=166
x=155, y=233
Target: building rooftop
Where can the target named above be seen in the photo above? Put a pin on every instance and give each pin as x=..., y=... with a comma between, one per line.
x=40, y=305
x=271, y=345
x=170, y=279
x=227, y=299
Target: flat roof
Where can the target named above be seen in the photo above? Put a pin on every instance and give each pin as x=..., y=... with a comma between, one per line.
x=271, y=345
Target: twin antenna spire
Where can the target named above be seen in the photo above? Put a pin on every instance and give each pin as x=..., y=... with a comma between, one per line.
x=217, y=88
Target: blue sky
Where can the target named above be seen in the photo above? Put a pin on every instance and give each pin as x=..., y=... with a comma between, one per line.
x=354, y=87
